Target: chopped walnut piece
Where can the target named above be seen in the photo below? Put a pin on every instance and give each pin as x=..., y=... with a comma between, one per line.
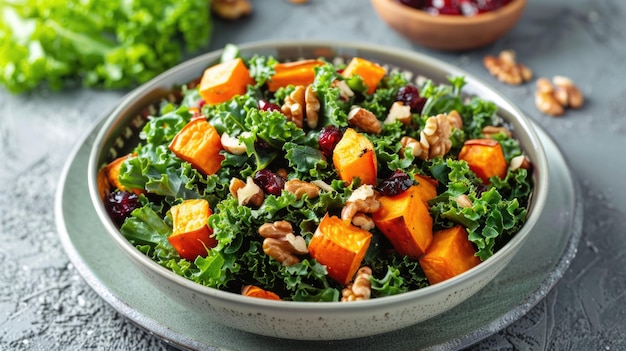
x=280, y=250
x=463, y=201
x=362, y=200
x=361, y=289
x=312, y=106
x=520, y=161
x=294, y=105
x=232, y=144
x=364, y=120
x=251, y=194
x=299, y=188
x=455, y=120
x=545, y=100
x=506, y=69
x=277, y=229
x=281, y=244
x=363, y=221
x=399, y=112
x=436, y=136
x=231, y=9
x=345, y=93
x=235, y=185
x=416, y=147
x=490, y=131
x=567, y=93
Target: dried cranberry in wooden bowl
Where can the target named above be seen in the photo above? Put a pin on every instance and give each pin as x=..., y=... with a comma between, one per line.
x=449, y=29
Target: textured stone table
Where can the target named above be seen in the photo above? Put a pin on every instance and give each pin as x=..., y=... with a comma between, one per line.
x=45, y=304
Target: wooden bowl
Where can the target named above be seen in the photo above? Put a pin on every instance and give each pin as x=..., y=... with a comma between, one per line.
x=450, y=33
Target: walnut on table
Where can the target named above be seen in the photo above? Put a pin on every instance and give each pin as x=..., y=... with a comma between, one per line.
x=506, y=68
x=552, y=98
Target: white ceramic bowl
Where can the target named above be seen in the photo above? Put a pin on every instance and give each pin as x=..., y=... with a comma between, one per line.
x=317, y=320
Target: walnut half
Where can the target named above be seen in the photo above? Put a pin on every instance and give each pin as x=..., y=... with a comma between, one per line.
x=281, y=244
x=506, y=69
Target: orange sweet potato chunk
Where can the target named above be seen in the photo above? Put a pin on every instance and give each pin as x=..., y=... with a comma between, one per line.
x=485, y=157
x=426, y=187
x=354, y=156
x=340, y=246
x=370, y=72
x=108, y=177
x=255, y=291
x=450, y=254
x=199, y=143
x=191, y=235
x=405, y=220
x=293, y=73
x=223, y=81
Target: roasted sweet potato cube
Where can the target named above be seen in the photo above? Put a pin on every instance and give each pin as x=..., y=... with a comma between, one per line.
x=109, y=176
x=224, y=81
x=426, y=187
x=293, y=73
x=199, y=143
x=340, y=246
x=406, y=222
x=450, y=254
x=255, y=291
x=485, y=157
x=354, y=156
x=191, y=235
x=370, y=72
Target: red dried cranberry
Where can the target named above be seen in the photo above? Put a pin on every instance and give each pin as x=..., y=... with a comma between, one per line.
x=121, y=204
x=410, y=96
x=417, y=4
x=446, y=7
x=262, y=145
x=395, y=184
x=489, y=5
x=328, y=139
x=468, y=7
x=269, y=181
x=268, y=106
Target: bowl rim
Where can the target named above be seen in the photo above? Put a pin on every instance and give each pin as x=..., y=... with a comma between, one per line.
x=539, y=193
x=450, y=20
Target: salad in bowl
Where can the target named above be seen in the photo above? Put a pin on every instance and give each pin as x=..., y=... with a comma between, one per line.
x=320, y=179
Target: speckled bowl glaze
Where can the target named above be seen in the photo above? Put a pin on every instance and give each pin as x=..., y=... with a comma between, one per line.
x=451, y=33
x=309, y=320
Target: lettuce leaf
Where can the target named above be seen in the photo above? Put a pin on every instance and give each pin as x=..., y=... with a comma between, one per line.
x=109, y=44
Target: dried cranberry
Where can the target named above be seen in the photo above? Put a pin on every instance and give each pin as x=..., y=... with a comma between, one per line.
x=417, y=4
x=328, y=139
x=262, y=145
x=489, y=5
x=468, y=8
x=410, y=96
x=446, y=7
x=121, y=204
x=268, y=106
x=269, y=181
x=397, y=183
